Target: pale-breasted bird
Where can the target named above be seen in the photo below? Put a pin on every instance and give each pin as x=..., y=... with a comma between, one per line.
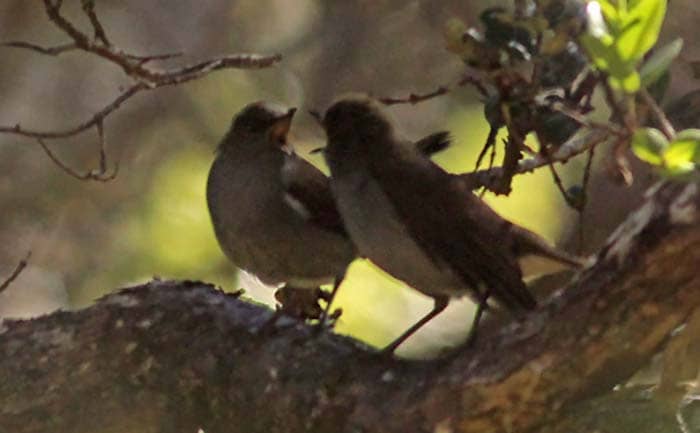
x=273, y=212
x=421, y=224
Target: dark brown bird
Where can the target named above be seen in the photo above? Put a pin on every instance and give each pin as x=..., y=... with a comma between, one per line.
x=273, y=212
x=421, y=224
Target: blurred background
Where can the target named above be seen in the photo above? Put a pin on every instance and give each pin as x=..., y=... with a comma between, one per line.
x=90, y=238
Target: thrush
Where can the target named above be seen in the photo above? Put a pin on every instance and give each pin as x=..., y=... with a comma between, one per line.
x=421, y=224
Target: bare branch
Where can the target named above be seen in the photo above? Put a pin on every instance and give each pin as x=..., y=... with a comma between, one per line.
x=148, y=58
x=490, y=144
x=49, y=51
x=584, y=200
x=415, y=98
x=666, y=126
x=583, y=120
x=99, y=31
x=97, y=117
x=576, y=145
x=132, y=65
x=18, y=270
x=198, y=70
x=97, y=175
x=60, y=49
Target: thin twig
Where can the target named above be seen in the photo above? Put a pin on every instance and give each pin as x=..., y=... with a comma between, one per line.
x=103, y=154
x=142, y=59
x=132, y=65
x=99, y=31
x=617, y=112
x=415, y=98
x=135, y=66
x=584, y=121
x=83, y=126
x=560, y=185
x=170, y=77
x=666, y=126
x=490, y=144
x=60, y=49
x=514, y=146
x=18, y=270
x=584, y=201
x=99, y=175
x=49, y=51
x=575, y=145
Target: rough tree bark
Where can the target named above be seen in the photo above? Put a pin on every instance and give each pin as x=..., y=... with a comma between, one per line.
x=178, y=356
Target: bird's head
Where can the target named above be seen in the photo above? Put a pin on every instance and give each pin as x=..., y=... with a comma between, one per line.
x=356, y=119
x=259, y=124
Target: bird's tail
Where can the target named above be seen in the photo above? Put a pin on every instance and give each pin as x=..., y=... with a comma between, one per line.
x=536, y=257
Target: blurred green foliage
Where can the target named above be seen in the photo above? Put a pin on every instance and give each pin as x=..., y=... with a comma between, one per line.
x=621, y=33
x=677, y=158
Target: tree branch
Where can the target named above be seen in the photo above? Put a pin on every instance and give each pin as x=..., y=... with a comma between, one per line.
x=170, y=356
x=133, y=66
x=579, y=143
x=15, y=273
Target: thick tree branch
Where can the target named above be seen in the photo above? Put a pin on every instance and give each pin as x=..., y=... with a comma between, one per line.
x=170, y=356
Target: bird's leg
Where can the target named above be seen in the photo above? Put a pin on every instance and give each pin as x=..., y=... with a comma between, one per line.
x=439, y=305
x=300, y=303
x=480, y=308
x=329, y=301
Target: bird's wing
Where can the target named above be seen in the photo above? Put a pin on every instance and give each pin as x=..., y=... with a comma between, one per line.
x=307, y=191
x=453, y=231
x=433, y=143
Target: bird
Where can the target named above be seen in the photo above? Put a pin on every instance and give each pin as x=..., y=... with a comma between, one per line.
x=421, y=224
x=274, y=214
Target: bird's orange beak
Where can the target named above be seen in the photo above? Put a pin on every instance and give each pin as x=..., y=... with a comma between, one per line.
x=281, y=127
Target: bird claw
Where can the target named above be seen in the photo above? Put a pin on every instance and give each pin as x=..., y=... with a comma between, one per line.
x=304, y=304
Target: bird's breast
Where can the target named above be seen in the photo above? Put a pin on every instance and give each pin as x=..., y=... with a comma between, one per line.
x=381, y=236
x=262, y=234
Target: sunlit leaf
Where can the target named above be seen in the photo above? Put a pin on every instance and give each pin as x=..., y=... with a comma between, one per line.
x=680, y=153
x=631, y=83
x=685, y=146
x=645, y=18
x=648, y=144
x=619, y=34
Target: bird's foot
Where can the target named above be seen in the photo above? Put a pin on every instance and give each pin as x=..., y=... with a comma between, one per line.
x=300, y=303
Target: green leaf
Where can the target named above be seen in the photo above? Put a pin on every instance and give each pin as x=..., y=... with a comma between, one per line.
x=619, y=34
x=641, y=26
x=680, y=153
x=688, y=134
x=631, y=82
x=648, y=144
x=659, y=62
x=599, y=52
x=687, y=144
x=608, y=10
